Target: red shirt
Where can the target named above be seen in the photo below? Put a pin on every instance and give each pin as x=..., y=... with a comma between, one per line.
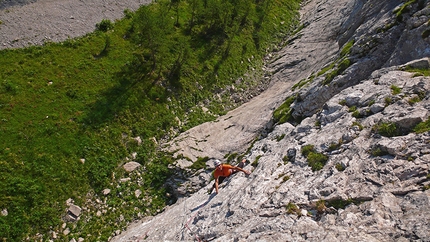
x=226, y=171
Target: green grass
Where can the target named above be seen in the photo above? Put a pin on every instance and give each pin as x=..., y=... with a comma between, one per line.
x=293, y=209
x=403, y=9
x=284, y=113
x=315, y=160
x=419, y=71
x=422, y=127
x=395, y=89
x=69, y=111
x=387, y=129
x=302, y=83
x=346, y=50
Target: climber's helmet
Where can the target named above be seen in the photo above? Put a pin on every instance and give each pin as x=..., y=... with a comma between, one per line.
x=217, y=163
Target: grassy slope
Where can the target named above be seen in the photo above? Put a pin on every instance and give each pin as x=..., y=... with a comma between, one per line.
x=68, y=110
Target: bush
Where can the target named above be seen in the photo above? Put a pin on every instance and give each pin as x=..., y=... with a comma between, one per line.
x=377, y=151
x=339, y=167
x=387, y=129
x=307, y=149
x=317, y=161
x=104, y=25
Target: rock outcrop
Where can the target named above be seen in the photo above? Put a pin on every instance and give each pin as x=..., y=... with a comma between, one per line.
x=351, y=168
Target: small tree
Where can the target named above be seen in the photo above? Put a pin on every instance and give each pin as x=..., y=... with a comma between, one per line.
x=104, y=25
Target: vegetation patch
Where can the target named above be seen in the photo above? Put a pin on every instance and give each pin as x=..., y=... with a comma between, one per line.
x=339, y=203
x=335, y=145
x=255, y=162
x=418, y=97
x=320, y=206
x=359, y=125
x=395, y=89
x=341, y=67
x=387, y=129
x=422, y=127
x=421, y=71
x=232, y=156
x=388, y=101
x=302, y=83
x=339, y=167
x=280, y=137
x=285, y=159
x=346, y=50
x=399, y=12
x=315, y=160
x=104, y=25
x=293, y=209
x=200, y=163
x=377, y=151
x=284, y=112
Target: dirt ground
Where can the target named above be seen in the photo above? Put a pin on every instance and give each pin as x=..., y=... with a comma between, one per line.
x=30, y=22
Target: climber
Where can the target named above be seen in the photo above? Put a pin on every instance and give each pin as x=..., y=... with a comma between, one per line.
x=223, y=171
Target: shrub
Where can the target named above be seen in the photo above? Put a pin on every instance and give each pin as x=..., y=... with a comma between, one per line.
x=388, y=101
x=387, y=129
x=377, y=151
x=307, y=149
x=128, y=14
x=280, y=137
x=104, y=25
x=352, y=109
x=317, y=161
x=339, y=167
x=341, y=203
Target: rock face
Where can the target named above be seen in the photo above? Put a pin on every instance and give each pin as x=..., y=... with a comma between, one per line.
x=351, y=170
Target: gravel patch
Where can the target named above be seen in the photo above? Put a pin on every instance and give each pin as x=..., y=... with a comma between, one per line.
x=28, y=22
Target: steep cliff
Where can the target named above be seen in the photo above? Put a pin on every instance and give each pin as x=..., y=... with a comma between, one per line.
x=349, y=166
